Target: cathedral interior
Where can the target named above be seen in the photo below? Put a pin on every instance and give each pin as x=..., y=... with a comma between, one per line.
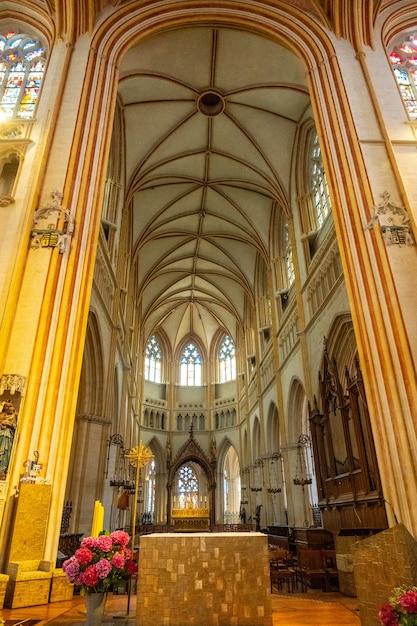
x=208, y=214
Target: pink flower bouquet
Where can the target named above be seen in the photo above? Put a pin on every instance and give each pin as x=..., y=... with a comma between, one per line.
x=100, y=562
x=401, y=609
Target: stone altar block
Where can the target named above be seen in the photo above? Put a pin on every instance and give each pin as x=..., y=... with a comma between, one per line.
x=204, y=579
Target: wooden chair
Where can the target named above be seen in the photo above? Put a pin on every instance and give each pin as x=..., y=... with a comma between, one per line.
x=330, y=568
x=282, y=571
x=310, y=570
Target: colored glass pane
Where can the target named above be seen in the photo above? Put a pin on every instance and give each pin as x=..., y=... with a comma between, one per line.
x=22, y=67
x=15, y=43
x=395, y=58
x=190, y=366
x=404, y=59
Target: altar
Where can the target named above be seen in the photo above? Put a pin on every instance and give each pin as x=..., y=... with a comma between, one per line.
x=205, y=579
x=191, y=519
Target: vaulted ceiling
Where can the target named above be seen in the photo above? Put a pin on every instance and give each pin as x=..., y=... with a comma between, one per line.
x=210, y=121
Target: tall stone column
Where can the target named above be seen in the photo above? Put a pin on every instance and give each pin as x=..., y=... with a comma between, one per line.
x=365, y=172
x=50, y=287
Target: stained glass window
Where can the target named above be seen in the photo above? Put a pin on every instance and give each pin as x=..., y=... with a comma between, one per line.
x=153, y=359
x=227, y=360
x=190, y=373
x=22, y=67
x=187, y=487
x=404, y=64
x=320, y=189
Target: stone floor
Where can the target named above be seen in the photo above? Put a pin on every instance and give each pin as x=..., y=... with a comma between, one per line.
x=313, y=608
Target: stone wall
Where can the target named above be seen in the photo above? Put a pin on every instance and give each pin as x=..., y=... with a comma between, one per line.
x=381, y=563
x=204, y=579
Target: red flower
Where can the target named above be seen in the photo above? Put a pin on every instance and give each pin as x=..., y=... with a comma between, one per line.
x=387, y=616
x=90, y=577
x=408, y=601
x=84, y=556
x=131, y=567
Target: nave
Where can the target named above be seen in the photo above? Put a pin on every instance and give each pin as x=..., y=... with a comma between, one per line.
x=314, y=608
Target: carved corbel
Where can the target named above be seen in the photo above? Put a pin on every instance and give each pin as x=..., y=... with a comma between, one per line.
x=45, y=233
x=393, y=221
x=6, y=200
x=12, y=383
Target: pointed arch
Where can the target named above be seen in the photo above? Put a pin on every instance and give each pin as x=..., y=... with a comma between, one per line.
x=91, y=391
x=191, y=452
x=273, y=436
x=297, y=410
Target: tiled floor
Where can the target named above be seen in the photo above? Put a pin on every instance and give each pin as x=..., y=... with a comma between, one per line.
x=313, y=608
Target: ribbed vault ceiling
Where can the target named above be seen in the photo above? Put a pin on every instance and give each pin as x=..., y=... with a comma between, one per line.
x=210, y=120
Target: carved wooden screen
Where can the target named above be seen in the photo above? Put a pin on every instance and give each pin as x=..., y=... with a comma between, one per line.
x=348, y=483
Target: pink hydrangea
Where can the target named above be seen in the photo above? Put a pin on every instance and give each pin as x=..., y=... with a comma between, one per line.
x=71, y=567
x=103, y=568
x=120, y=537
x=84, y=556
x=128, y=554
x=408, y=601
x=90, y=577
x=118, y=560
x=89, y=542
x=104, y=543
x=387, y=616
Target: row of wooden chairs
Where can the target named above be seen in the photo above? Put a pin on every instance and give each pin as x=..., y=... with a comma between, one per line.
x=317, y=569
x=311, y=568
x=282, y=571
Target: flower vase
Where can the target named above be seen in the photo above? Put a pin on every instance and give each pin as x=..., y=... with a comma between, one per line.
x=94, y=606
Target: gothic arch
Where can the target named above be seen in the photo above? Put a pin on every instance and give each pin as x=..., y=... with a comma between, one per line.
x=91, y=392
x=191, y=452
x=297, y=411
x=272, y=429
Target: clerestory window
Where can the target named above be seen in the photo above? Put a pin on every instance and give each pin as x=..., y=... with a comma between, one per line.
x=22, y=68
x=319, y=187
x=289, y=265
x=190, y=367
x=153, y=361
x=404, y=65
x=227, y=360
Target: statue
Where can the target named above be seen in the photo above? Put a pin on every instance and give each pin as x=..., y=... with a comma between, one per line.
x=213, y=450
x=7, y=431
x=258, y=517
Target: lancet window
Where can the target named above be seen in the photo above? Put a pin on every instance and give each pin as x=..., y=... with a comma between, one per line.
x=227, y=360
x=319, y=186
x=190, y=369
x=153, y=360
x=289, y=265
x=404, y=64
x=22, y=68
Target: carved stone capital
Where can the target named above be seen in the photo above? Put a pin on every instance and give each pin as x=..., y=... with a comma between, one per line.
x=12, y=383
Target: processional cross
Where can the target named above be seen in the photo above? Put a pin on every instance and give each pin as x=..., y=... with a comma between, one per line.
x=138, y=458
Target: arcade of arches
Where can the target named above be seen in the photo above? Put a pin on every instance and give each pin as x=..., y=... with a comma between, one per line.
x=208, y=219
